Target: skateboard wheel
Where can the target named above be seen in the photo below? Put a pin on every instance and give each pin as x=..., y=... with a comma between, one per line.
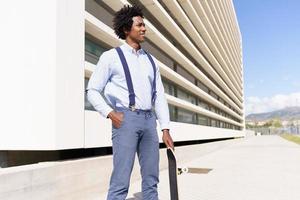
x=185, y=170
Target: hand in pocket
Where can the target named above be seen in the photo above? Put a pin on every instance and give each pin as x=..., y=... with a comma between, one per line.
x=116, y=118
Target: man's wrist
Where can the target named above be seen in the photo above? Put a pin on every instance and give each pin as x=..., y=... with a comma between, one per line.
x=110, y=114
x=165, y=130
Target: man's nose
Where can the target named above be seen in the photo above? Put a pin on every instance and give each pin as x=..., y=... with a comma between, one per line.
x=143, y=28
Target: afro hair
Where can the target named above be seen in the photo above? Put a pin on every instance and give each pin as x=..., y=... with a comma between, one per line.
x=123, y=19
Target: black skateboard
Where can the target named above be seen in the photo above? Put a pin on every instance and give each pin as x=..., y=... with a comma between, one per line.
x=172, y=174
x=174, y=171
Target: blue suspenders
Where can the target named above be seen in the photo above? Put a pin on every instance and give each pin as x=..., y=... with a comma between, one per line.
x=129, y=80
x=154, y=81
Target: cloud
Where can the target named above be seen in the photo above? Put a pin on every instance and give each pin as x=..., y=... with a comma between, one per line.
x=267, y=104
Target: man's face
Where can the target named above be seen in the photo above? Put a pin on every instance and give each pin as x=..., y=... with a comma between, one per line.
x=138, y=29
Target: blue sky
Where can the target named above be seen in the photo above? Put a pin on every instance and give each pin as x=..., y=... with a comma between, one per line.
x=271, y=52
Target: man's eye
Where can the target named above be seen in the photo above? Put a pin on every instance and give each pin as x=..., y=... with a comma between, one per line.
x=141, y=24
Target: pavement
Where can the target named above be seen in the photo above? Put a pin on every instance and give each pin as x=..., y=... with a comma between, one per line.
x=252, y=168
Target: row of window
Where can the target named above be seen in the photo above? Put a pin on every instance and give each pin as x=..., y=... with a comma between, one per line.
x=176, y=91
x=180, y=70
x=178, y=114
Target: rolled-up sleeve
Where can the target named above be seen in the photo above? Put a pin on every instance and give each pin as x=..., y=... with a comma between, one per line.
x=97, y=83
x=161, y=105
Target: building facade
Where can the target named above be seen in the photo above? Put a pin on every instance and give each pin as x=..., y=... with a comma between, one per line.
x=198, y=46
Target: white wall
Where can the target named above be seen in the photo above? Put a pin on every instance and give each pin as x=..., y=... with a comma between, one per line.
x=98, y=131
x=42, y=57
x=70, y=74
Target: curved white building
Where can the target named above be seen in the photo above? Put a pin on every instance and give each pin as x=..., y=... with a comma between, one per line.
x=197, y=43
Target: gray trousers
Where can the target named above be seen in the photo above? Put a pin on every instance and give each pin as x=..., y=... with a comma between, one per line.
x=137, y=134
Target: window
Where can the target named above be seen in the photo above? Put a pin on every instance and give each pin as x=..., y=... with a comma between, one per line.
x=215, y=123
x=222, y=101
x=203, y=104
x=186, y=116
x=222, y=113
x=202, y=86
x=87, y=104
x=222, y=124
x=185, y=74
x=173, y=113
x=213, y=95
x=202, y=120
x=169, y=87
x=181, y=94
x=93, y=51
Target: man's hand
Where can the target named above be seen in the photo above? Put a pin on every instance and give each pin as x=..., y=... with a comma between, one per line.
x=116, y=118
x=167, y=139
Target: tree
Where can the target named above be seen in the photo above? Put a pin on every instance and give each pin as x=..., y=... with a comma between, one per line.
x=277, y=123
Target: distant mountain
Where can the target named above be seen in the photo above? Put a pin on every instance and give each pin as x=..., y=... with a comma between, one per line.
x=283, y=114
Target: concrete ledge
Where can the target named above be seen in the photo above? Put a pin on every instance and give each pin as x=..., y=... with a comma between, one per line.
x=79, y=178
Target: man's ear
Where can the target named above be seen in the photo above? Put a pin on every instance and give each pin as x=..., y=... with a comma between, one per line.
x=126, y=32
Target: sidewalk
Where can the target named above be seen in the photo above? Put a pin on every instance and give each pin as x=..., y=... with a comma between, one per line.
x=255, y=168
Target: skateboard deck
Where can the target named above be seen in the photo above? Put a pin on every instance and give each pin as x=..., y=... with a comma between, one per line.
x=191, y=170
x=174, y=171
x=172, y=174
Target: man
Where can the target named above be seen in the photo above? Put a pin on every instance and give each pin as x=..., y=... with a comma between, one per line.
x=134, y=93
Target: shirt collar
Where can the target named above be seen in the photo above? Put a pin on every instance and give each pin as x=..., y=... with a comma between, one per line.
x=130, y=49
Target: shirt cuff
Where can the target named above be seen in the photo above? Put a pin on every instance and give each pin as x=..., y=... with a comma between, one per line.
x=165, y=126
x=105, y=114
x=104, y=111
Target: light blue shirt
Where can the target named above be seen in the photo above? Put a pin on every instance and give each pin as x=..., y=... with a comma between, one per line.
x=109, y=79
